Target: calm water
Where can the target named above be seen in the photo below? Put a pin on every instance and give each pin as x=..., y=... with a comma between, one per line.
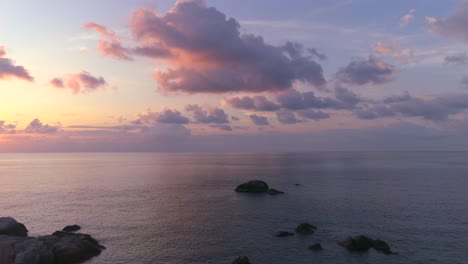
x=181, y=208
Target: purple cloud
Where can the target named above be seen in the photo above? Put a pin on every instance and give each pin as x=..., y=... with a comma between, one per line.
x=257, y=103
x=7, y=128
x=221, y=58
x=455, y=26
x=287, y=117
x=259, y=120
x=37, y=127
x=313, y=115
x=366, y=71
x=166, y=116
x=438, y=108
x=457, y=59
x=210, y=116
x=8, y=69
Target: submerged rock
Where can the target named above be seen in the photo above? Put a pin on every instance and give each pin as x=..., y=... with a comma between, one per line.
x=58, y=248
x=241, y=260
x=363, y=243
x=253, y=186
x=71, y=228
x=283, y=234
x=305, y=229
x=316, y=247
x=274, y=191
x=10, y=227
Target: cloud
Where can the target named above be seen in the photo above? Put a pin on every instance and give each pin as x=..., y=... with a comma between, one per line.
x=371, y=70
x=114, y=49
x=37, y=127
x=112, y=45
x=223, y=127
x=287, y=117
x=464, y=82
x=8, y=69
x=438, y=108
x=79, y=82
x=259, y=120
x=313, y=115
x=397, y=98
x=454, y=26
x=257, y=103
x=406, y=19
x=457, y=59
x=206, y=53
x=7, y=128
x=166, y=116
x=210, y=116
x=295, y=100
x=394, y=49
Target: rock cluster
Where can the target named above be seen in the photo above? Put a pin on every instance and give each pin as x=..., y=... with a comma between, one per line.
x=59, y=248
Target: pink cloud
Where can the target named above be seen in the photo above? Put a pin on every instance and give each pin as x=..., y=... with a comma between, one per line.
x=8, y=69
x=394, y=49
x=112, y=46
x=82, y=82
x=206, y=52
x=406, y=19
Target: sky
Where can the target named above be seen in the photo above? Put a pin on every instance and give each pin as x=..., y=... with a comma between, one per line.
x=233, y=75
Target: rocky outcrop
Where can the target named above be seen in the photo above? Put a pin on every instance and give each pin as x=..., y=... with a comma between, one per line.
x=274, y=191
x=71, y=228
x=253, y=186
x=305, y=229
x=363, y=243
x=10, y=227
x=58, y=248
x=241, y=260
x=283, y=234
x=316, y=247
x=256, y=187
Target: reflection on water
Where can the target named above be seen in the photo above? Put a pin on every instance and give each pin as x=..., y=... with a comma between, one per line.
x=181, y=208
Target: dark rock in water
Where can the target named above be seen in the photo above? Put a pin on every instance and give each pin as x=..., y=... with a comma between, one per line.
x=10, y=227
x=297, y=184
x=253, y=186
x=316, y=247
x=283, y=234
x=274, y=191
x=71, y=228
x=58, y=248
x=305, y=229
x=382, y=246
x=363, y=243
x=357, y=243
x=241, y=260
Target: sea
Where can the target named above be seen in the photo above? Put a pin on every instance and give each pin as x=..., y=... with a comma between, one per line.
x=182, y=208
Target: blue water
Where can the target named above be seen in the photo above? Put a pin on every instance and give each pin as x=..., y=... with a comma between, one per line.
x=181, y=208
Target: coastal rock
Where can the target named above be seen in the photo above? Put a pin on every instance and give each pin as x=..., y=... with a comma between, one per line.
x=363, y=243
x=58, y=248
x=241, y=260
x=253, y=186
x=274, y=191
x=305, y=229
x=71, y=228
x=283, y=234
x=316, y=247
x=381, y=246
x=10, y=227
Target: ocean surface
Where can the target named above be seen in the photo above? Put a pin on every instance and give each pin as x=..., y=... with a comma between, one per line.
x=181, y=208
